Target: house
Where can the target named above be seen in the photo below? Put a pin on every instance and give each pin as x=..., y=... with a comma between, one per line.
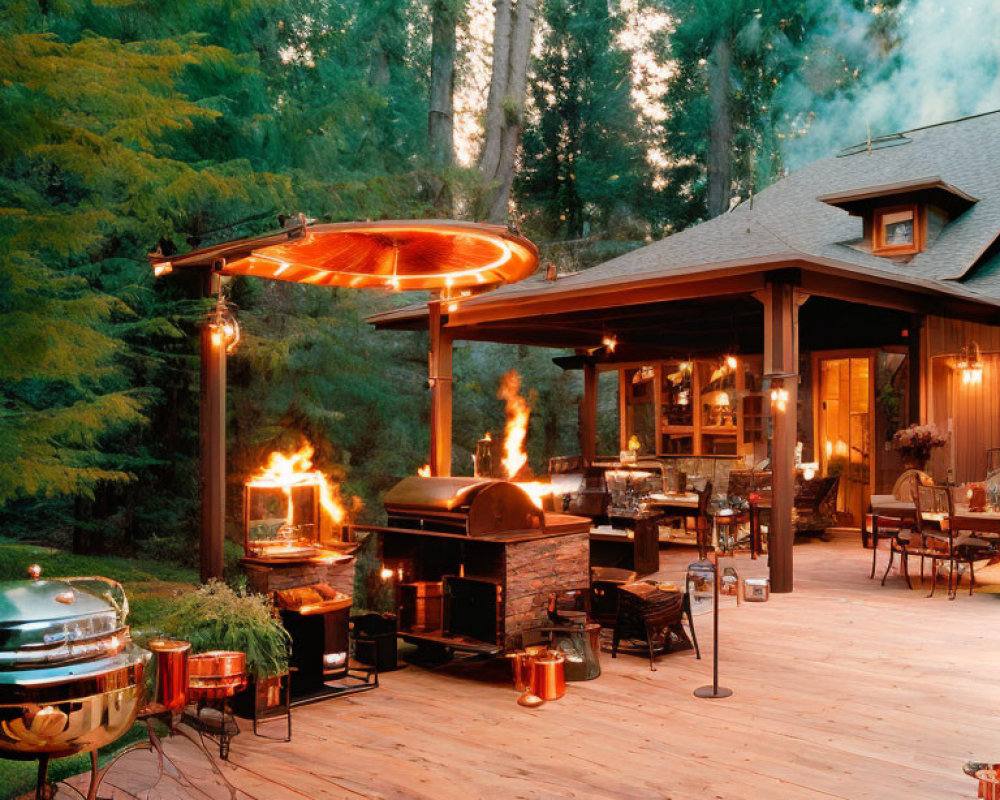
x=855, y=296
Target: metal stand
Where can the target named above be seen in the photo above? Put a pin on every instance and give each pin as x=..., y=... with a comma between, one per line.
x=714, y=691
x=153, y=745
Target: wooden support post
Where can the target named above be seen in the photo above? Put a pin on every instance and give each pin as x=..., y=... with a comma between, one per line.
x=213, y=451
x=440, y=363
x=588, y=421
x=915, y=334
x=781, y=363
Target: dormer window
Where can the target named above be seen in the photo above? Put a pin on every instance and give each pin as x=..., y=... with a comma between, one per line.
x=897, y=231
x=904, y=218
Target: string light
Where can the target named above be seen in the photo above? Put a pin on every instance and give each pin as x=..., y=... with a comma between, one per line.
x=610, y=343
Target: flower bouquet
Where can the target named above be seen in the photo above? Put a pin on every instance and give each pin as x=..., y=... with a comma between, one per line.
x=916, y=442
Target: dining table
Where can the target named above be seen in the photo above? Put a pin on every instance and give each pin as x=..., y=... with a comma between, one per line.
x=885, y=509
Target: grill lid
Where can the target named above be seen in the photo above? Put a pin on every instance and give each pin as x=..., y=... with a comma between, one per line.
x=50, y=622
x=433, y=494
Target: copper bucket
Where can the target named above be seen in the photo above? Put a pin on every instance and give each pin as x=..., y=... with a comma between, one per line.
x=522, y=664
x=170, y=691
x=548, y=679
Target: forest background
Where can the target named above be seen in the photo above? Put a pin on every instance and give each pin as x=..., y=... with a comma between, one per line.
x=594, y=126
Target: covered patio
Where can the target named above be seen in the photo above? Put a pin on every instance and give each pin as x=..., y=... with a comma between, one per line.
x=844, y=689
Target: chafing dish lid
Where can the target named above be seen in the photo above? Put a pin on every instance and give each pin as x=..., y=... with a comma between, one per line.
x=46, y=601
x=441, y=494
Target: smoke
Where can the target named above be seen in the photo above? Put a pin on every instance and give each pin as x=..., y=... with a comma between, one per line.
x=946, y=65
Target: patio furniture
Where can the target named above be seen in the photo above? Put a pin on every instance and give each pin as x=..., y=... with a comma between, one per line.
x=649, y=614
x=815, y=504
x=702, y=526
x=604, y=585
x=902, y=490
x=939, y=538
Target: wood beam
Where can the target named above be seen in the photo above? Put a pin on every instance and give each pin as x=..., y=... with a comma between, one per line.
x=212, y=465
x=440, y=379
x=588, y=420
x=915, y=367
x=781, y=302
x=521, y=305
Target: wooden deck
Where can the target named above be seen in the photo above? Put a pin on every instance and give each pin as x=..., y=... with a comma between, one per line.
x=843, y=689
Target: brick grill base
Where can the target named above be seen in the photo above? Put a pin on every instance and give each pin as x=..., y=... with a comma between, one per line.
x=265, y=579
x=534, y=570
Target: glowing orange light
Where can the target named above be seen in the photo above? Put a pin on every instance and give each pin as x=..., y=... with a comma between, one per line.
x=610, y=342
x=163, y=268
x=536, y=490
x=424, y=471
x=288, y=471
x=731, y=362
x=386, y=574
x=216, y=337
x=779, y=399
x=516, y=429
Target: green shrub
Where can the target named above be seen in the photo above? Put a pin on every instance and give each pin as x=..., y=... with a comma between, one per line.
x=216, y=617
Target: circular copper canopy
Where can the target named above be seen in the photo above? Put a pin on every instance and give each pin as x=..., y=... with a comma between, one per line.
x=395, y=254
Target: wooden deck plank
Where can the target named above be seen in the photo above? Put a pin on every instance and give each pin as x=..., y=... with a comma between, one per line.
x=844, y=690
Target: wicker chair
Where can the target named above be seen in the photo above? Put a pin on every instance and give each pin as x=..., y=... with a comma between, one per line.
x=656, y=617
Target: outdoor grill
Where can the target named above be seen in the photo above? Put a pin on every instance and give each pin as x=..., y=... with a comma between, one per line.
x=71, y=680
x=472, y=561
x=468, y=506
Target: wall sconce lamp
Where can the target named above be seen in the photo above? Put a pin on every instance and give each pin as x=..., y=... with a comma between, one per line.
x=779, y=399
x=970, y=363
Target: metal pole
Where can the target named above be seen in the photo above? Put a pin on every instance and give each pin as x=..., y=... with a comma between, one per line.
x=213, y=452
x=714, y=691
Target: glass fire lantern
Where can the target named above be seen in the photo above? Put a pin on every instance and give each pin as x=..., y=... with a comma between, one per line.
x=282, y=521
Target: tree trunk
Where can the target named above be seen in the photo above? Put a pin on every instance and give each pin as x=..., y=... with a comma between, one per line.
x=493, y=129
x=720, y=132
x=440, y=122
x=511, y=111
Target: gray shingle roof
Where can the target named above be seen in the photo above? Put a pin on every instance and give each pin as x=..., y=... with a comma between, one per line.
x=787, y=220
x=787, y=216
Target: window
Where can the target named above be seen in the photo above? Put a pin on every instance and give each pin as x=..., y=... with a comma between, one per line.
x=897, y=231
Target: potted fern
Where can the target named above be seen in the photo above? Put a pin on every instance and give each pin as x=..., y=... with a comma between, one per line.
x=217, y=617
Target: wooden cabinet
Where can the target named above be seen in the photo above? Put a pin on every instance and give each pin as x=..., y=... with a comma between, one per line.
x=702, y=407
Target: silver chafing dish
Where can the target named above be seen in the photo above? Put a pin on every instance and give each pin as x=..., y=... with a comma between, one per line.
x=71, y=680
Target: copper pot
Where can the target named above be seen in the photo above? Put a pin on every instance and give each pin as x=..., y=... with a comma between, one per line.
x=216, y=674
x=522, y=665
x=170, y=690
x=548, y=679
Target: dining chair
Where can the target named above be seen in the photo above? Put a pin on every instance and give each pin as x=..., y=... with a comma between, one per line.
x=895, y=527
x=702, y=523
x=936, y=538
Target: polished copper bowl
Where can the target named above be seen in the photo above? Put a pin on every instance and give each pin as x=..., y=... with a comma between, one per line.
x=216, y=675
x=63, y=711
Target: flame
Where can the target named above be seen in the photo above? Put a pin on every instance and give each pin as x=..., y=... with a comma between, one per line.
x=285, y=472
x=516, y=429
x=536, y=490
x=424, y=471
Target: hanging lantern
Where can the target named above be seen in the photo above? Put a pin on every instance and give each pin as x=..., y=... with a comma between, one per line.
x=225, y=328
